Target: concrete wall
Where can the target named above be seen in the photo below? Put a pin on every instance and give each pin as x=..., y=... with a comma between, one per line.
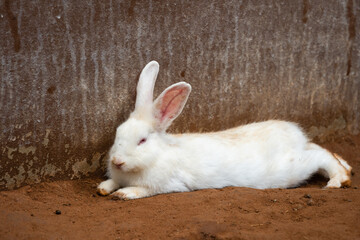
x=69, y=72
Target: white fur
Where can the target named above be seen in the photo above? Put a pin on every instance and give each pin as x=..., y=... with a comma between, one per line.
x=271, y=154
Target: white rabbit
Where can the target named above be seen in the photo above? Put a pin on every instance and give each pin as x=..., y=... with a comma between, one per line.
x=145, y=160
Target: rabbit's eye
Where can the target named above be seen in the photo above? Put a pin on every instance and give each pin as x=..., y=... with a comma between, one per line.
x=143, y=140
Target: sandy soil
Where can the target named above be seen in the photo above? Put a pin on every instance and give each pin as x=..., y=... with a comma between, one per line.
x=72, y=210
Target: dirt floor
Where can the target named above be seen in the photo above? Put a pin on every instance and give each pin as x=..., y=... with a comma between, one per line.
x=73, y=210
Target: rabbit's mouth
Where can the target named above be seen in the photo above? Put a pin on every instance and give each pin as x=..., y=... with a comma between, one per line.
x=124, y=168
x=119, y=165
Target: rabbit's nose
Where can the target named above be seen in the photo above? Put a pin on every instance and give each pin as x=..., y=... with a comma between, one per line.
x=117, y=163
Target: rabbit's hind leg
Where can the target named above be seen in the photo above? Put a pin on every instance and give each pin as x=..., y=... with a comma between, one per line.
x=343, y=178
x=332, y=165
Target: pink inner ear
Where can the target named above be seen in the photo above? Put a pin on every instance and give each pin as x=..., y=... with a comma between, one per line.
x=171, y=103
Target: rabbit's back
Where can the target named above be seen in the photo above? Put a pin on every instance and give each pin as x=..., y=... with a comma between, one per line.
x=259, y=155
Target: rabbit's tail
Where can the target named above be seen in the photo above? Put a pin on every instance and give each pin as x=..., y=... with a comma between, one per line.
x=330, y=165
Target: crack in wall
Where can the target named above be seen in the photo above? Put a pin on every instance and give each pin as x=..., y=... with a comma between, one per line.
x=13, y=23
x=351, y=33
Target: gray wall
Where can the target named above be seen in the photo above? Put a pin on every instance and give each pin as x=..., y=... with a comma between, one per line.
x=69, y=72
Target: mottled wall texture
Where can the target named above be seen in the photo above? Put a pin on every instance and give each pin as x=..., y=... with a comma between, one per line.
x=69, y=71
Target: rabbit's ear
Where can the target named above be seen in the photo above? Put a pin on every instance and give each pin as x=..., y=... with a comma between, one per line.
x=169, y=104
x=145, y=86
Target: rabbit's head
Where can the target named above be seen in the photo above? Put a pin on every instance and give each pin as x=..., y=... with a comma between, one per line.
x=141, y=138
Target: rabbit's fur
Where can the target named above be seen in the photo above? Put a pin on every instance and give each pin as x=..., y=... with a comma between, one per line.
x=145, y=160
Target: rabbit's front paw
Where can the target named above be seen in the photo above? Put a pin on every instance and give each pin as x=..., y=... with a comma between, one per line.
x=106, y=187
x=130, y=193
x=102, y=192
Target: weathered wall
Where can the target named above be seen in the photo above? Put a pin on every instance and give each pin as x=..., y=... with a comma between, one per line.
x=69, y=71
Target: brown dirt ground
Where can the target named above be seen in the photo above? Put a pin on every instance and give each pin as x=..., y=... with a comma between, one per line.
x=307, y=212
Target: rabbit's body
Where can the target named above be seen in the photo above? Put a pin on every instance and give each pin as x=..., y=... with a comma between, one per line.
x=145, y=160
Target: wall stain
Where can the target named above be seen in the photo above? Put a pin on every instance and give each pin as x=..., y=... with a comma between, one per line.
x=322, y=133
x=46, y=138
x=82, y=167
x=352, y=31
x=10, y=152
x=131, y=11
x=51, y=90
x=13, y=25
x=305, y=11
x=27, y=150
